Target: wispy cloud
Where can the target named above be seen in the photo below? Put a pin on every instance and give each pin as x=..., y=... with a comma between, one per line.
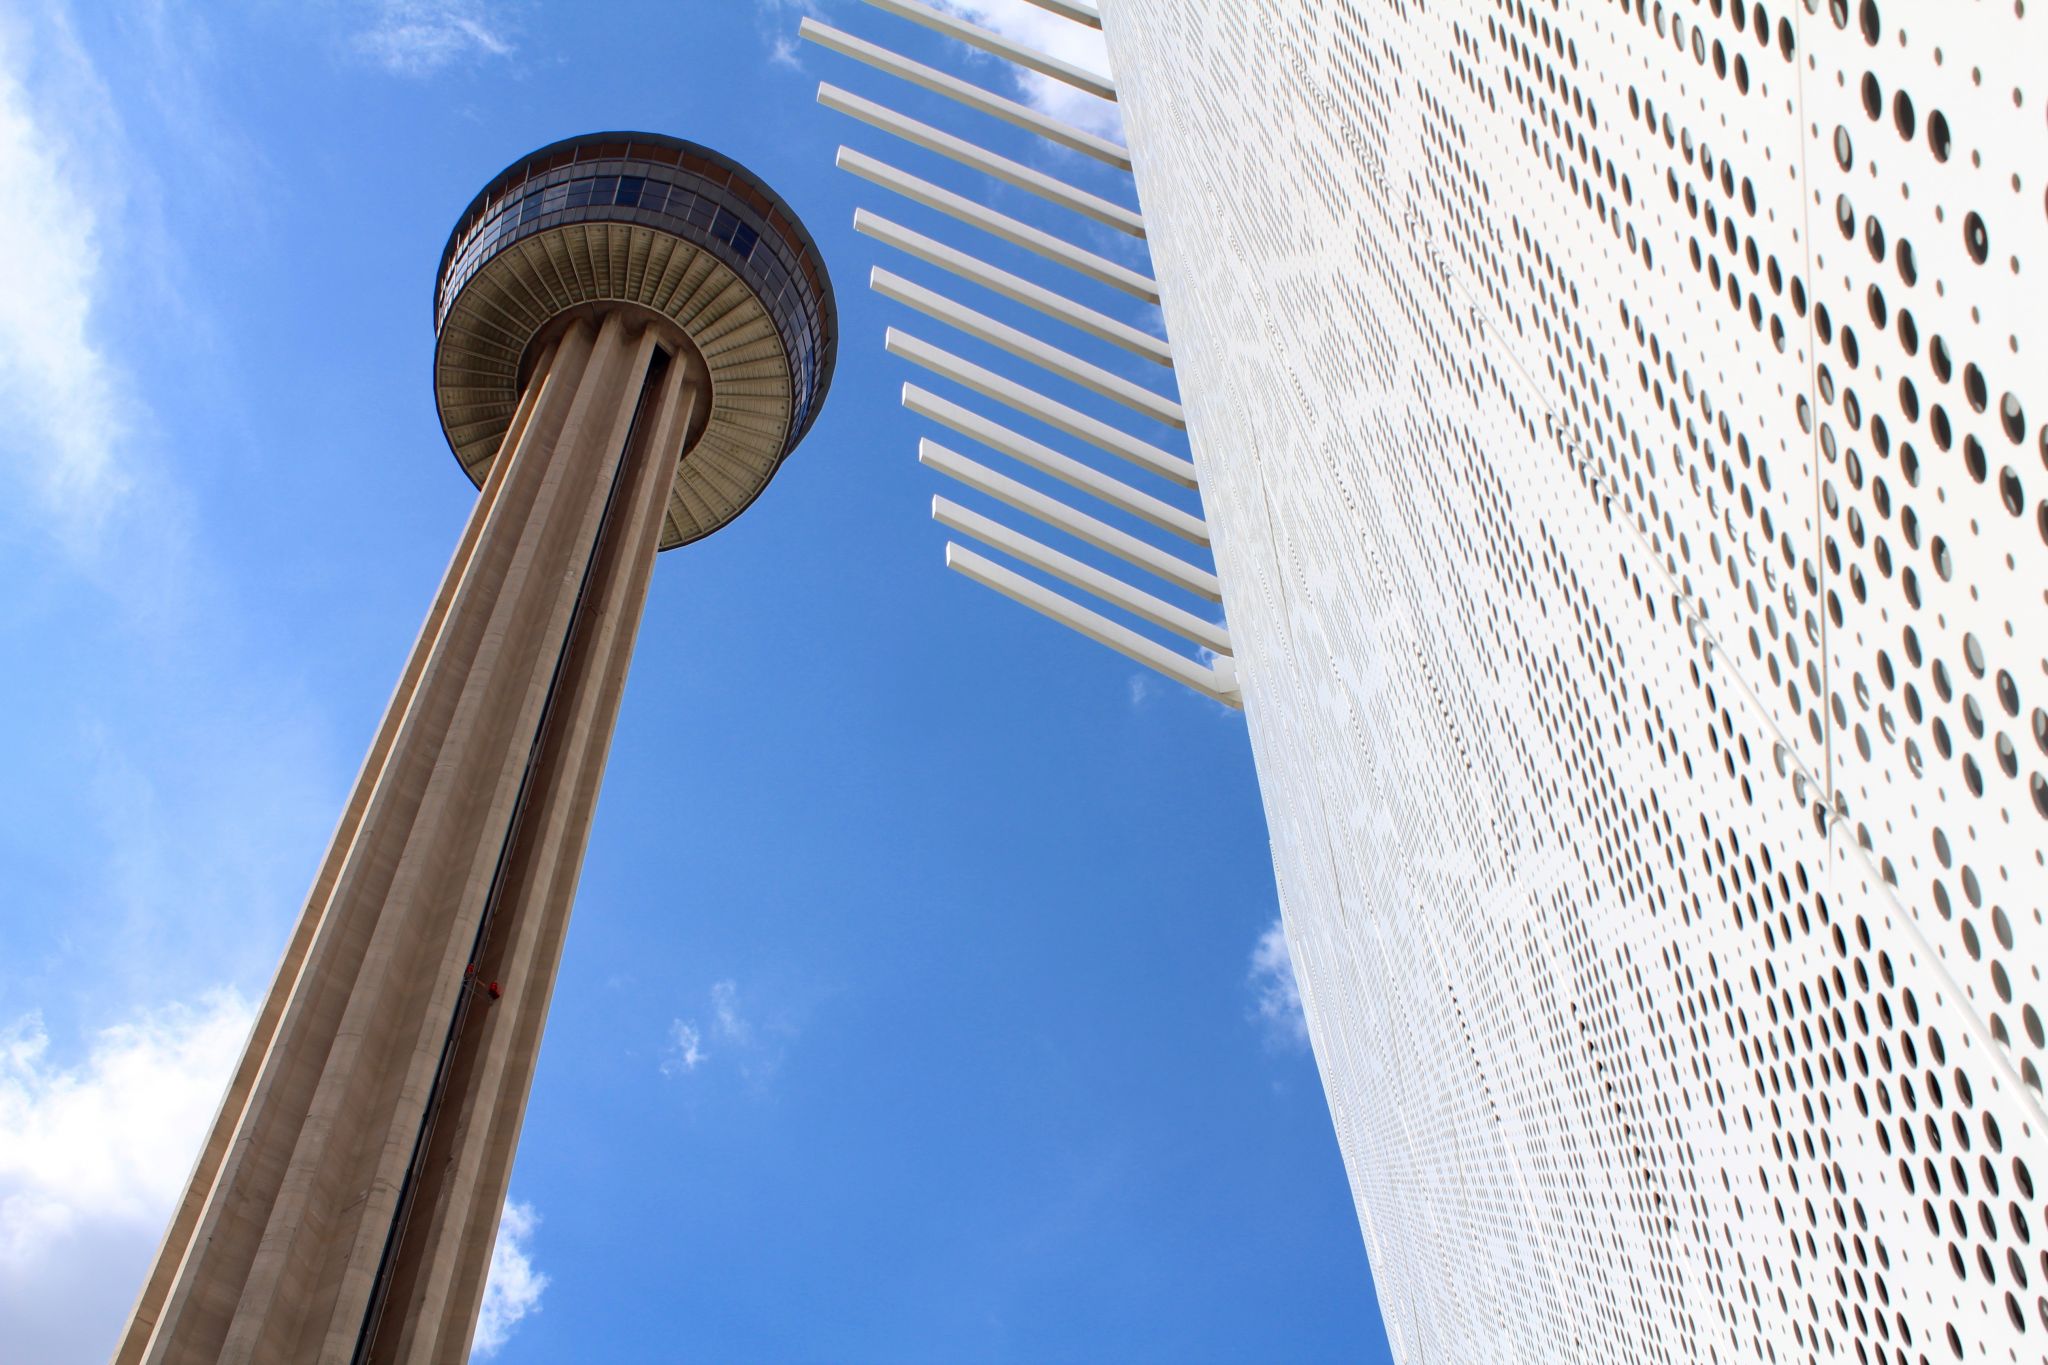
x=85, y=233
x=63, y=404
x=753, y=1048
x=778, y=26
x=1147, y=687
x=420, y=37
x=1275, y=993
x=685, y=1050
x=93, y=1153
x=725, y=997
x=514, y=1287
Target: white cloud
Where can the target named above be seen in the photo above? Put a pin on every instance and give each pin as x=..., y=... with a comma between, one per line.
x=184, y=716
x=685, y=1048
x=419, y=37
x=1074, y=43
x=753, y=1048
x=93, y=1154
x=514, y=1287
x=778, y=21
x=62, y=410
x=725, y=1002
x=1142, y=689
x=1276, y=995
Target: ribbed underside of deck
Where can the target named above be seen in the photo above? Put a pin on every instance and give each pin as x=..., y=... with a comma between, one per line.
x=513, y=297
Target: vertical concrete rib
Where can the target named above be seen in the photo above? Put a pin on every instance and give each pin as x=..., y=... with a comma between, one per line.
x=197, y=1312
x=279, y=1248
x=437, y=1278
x=358, y=1161
x=177, y=1242
x=427, y=880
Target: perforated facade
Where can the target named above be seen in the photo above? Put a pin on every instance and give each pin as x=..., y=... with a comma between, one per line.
x=1622, y=432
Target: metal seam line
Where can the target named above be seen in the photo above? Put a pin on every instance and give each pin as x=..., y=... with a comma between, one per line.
x=1088, y=578
x=965, y=92
x=1026, y=347
x=1080, y=525
x=921, y=134
x=1046, y=460
x=1054, y=305
x=1011, y=230
x=974, y=35
x=1031, y=403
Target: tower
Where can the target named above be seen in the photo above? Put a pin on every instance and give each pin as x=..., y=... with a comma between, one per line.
x=633, y=332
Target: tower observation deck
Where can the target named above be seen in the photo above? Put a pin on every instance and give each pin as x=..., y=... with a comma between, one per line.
x=633, y=332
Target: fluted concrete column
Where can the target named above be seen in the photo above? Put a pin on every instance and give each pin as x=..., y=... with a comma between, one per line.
x=359, y=1160
x=591, y=300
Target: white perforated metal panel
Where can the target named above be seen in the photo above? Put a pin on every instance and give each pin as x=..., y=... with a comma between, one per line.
x=1622, y=430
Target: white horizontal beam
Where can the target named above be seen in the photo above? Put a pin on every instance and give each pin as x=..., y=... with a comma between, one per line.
x=1027, y=347
x=1032, y=403
x=1002, y=168
x=973, y=96
x=1218, y=684
x=1095, y=267
x=1079, y=12
x=1079, y=525
x=974, y=35
x=1046, y=460
x=1058, y=306
x=1086, y=577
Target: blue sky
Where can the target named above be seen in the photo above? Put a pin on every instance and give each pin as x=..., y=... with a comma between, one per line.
x=922, y=1001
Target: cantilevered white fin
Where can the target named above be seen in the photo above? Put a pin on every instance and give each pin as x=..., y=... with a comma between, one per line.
x=1098, y=404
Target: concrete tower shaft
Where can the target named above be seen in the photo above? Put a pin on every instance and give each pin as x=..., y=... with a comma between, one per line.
x=347, y=1199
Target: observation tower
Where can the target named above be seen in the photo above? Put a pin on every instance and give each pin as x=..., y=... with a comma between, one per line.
x=633, y=332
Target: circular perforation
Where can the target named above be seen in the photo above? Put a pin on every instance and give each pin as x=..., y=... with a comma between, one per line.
x=1643, y=642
